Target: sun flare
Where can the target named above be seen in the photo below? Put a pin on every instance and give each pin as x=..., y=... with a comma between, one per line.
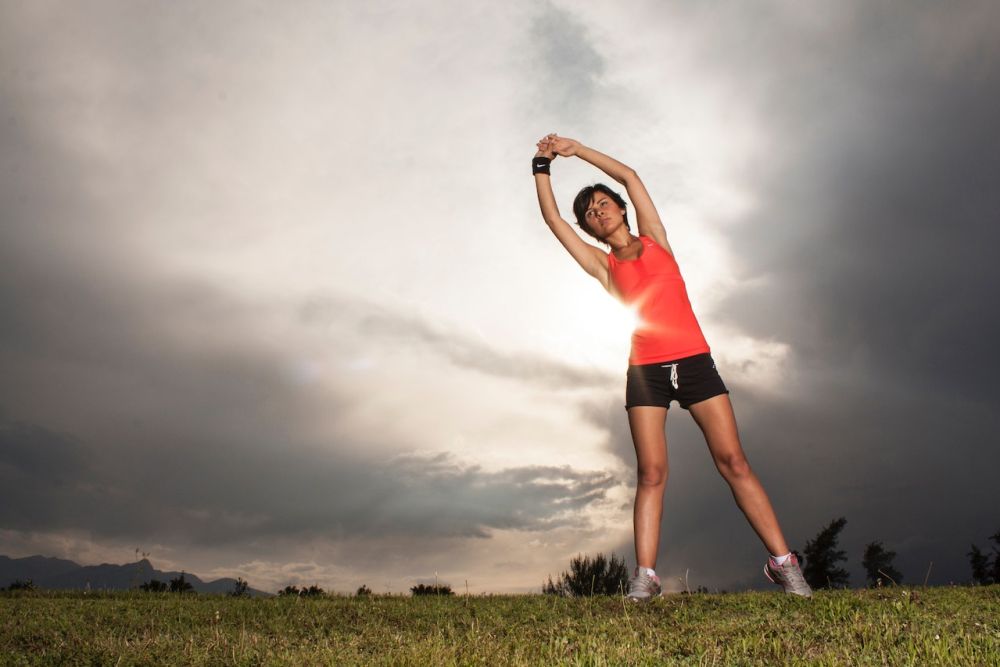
x=594, y=331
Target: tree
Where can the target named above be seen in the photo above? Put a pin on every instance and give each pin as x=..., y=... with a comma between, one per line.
x=154, y=586
x=239, y=588
x=422, y=589
x=363, y=590
x=996, y=557
x=554, y=588
x=591, y=576
x=179, y=585
x=289, y=590
x=878, y=565
x=985, y=567
x=20, y=585
x=312, y=591
x=822, y=555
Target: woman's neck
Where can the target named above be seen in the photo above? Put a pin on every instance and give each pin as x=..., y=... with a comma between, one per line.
x=620, y=239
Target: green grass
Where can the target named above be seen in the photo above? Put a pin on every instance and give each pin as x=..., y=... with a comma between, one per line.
x=893, y=626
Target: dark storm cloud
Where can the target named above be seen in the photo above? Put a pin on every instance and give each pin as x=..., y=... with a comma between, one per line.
x=566, y=64
x=885, y=294
x=891, y=183
x=36, y=453
x=233, y=493
x=873, y=234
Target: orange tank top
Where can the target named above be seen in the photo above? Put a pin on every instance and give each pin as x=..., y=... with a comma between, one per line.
x=652, y=284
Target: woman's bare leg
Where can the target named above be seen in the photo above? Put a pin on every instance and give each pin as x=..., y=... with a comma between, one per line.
x=716, y=419
x=650, y=440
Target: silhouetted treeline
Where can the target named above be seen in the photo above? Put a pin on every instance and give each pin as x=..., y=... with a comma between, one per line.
x=19, y=585
x=436, y=589
x=305, y=592
x=177, y=585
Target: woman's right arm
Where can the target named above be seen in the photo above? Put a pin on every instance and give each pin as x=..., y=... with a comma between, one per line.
x=593, y=260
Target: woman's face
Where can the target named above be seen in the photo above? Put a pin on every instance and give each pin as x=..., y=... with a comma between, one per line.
x=603, y=216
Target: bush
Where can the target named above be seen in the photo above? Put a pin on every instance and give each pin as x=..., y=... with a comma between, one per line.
x=305, y=592
x=421, y=589
x=154, y=586
x=312, y=591
x=180, y=585
x=591, y=576
x=19, y=585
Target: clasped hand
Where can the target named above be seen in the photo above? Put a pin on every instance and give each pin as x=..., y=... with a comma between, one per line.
x=552, y=145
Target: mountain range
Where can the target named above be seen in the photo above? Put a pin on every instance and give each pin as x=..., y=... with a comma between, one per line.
x=57, y=573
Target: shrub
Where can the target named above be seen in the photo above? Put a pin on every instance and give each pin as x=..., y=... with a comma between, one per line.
x=180, y=585
x=313, y=590
x=154, y=586
x=422, y=589
x=599, y=575
x=19, y=585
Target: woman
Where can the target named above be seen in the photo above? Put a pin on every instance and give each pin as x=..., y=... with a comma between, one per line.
x=669, y=359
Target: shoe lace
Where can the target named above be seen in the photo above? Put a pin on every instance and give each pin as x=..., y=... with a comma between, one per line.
x=788, y=575
x=642, y=582
x=792, y=575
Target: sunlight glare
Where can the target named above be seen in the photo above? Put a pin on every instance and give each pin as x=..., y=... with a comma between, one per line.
x=598, y=332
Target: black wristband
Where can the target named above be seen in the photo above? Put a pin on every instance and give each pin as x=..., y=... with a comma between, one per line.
x=540, y=165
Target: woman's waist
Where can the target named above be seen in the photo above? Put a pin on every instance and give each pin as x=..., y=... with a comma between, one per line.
x=668, y=354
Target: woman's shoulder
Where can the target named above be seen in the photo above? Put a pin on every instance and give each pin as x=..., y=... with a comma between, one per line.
x=649, y=241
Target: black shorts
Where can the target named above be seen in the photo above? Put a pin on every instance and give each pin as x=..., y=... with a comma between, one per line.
x=686, y=380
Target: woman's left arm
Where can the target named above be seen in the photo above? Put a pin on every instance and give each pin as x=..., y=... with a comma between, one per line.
x=647, y=219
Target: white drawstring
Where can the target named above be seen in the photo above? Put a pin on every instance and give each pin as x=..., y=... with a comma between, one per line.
x=673, y=374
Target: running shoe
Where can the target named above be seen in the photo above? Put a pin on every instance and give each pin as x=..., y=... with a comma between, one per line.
x=643, y=587
x=789, y=576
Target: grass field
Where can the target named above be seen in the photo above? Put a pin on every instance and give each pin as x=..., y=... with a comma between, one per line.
x=892, y=626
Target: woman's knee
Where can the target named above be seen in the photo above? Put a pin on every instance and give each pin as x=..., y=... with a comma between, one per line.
x=652, y=475
x=733, y=466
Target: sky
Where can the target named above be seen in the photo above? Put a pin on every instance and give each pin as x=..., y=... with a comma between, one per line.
x=276, y=300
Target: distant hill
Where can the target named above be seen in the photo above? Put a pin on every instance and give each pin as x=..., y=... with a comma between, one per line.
x=56, y=573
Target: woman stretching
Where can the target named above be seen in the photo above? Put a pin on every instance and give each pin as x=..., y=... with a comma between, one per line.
x=669, y=359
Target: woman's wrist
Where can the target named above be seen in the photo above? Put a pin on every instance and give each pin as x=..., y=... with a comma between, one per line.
x=540, y=164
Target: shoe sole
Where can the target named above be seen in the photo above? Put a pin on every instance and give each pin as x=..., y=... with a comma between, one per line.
x=645, y=599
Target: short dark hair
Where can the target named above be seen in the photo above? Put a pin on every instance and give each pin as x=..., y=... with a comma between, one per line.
x=582, y=203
